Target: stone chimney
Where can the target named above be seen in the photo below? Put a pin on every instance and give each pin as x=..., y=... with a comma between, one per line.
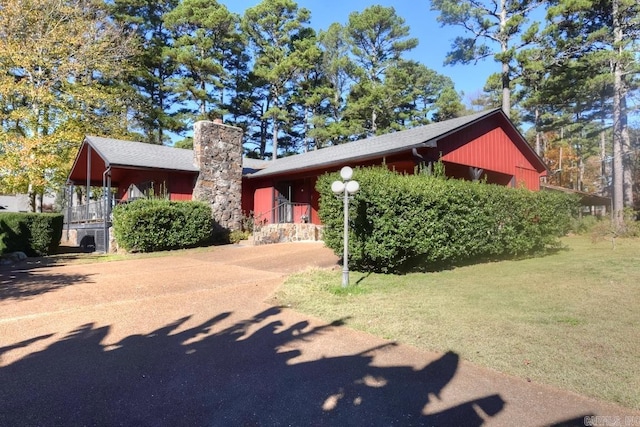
x=217, y=152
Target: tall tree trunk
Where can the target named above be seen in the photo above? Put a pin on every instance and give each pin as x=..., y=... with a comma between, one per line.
x=560, y=164
x=506, y=91
x=374, y=126
x=263, y=138
x=538, y=133
x=617, y=165
x=627, y=155
x=162, y=109
x=264, y=130
x=580, y=180
x=619, y=119
x=603, y=161
x=32, y=198
x=275, y=139
x=307, y=141
x=505, y=77
x=203, y=105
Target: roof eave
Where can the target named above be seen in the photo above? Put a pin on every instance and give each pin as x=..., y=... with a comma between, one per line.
x=372, y=156
x=155, y=168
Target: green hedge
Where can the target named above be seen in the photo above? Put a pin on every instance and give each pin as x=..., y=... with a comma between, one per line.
x=149, y=225
x=35, y=234
x=401, y=222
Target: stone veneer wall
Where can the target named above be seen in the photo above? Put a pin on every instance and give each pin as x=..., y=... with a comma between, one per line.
x=217, y=152
x=280, y=233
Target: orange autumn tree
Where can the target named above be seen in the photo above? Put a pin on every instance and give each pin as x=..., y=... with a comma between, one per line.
x=60, y=63
x=573, y=158
x=563, y=164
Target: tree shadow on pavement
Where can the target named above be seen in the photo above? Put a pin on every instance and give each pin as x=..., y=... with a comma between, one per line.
x=243, y=375
x=582, y=421
x=21, y=283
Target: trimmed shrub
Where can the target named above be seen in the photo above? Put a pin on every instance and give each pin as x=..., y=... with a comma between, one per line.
x=237, y=235
x=35, y=234
x=148, y=225
x=402, y=222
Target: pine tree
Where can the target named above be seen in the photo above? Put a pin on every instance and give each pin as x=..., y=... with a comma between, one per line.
x=276, y=30
x=206, y=35
x=338, y=69
x=489, y=23
x=153, y=113
x=597, y=34
x=378, y=38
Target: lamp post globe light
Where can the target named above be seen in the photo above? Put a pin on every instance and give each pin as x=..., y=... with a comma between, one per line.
x=347, y=187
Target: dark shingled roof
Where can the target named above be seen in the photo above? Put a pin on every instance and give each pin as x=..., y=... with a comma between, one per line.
x=252, y=165
x=370, y=148
x=130, y=154
x=116, y=152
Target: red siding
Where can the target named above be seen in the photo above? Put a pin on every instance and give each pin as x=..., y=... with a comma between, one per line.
x=79, y=172
x=179, y=186
x=247, y=196
x=528, y=178
x=490, y=148
x=263, y=204
x=315, y=201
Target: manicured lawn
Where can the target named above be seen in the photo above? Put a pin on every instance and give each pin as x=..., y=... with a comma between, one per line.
x=571, y=319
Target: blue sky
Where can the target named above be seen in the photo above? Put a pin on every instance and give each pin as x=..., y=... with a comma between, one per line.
x=434, y=40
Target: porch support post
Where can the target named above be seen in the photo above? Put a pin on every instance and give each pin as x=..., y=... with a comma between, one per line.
x=86, y=218
x=69, y=190
x=106, y=187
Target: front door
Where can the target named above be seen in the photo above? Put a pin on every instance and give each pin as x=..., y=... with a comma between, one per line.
x=284, y=209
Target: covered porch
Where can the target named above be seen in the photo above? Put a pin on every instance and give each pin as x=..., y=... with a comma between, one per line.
x=110, y=172
x=291, y=200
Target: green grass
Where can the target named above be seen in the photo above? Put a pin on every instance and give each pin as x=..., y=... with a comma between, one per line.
x=570, y=319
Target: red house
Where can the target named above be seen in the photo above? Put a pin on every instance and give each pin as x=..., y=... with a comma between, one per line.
x=484, y=145
x=480, y=146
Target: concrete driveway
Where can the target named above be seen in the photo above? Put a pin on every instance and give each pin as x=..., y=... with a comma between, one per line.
x=190, y=339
